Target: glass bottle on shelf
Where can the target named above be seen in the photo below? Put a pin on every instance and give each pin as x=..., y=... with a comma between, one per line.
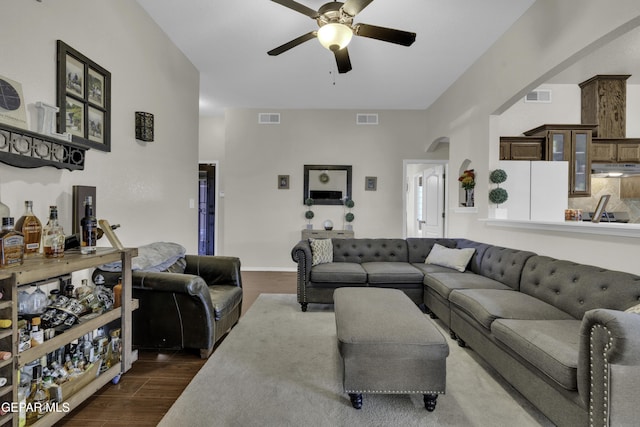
x=89, y=226
x=11, y=244
x=38, y=397
x=53, y=236
x=31, y=228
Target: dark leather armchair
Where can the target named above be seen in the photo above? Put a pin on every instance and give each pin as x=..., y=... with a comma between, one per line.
x=190, y=310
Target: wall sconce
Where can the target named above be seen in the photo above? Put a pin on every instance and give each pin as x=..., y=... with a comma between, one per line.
x=144, y=126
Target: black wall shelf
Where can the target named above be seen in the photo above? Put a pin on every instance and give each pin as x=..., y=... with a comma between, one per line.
x=26, y=149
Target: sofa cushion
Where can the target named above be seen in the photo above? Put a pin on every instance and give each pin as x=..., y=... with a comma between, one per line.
x=225, y=298
x=370, y=250
x=476, y=259
x=392, y=272
x=504, y=265
x=458, y=259
x=635, y=309
x=432, y=268
x=486, y=305
x=338, y=272
x=445, y=282
x=578, y=288
x=321, y=251
x=419, y=247
x=552, y=346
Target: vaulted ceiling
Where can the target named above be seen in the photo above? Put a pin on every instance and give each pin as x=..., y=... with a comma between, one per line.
x=227, y=41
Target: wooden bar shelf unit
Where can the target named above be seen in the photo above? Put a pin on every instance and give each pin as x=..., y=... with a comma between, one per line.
x=38, y=269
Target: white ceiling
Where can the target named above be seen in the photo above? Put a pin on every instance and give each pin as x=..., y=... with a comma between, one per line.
x=227, y=41
x=620, y=56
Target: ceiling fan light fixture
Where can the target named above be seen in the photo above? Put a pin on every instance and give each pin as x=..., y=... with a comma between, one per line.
x=335, y=36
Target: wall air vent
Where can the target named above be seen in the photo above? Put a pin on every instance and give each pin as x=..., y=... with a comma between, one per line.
x=366, y=119
x=539, y=95
x=269, y=118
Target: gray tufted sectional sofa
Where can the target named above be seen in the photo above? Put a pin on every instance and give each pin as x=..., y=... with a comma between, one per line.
x=554, y=329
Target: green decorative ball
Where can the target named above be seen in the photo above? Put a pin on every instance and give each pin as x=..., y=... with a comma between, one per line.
x=498, y=176
x=349, y=217
x=349, y=203
x=308, y=214
x=498, y=196
x=309, y=202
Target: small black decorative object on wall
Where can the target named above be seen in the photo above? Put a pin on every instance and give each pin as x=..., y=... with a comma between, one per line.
x=144, y=126
x=84, y=99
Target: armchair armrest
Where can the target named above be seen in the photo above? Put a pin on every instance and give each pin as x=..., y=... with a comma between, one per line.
x=609, y=366
x=215, y=270
x=175, y=311
x=301, y=254
x=169, y=282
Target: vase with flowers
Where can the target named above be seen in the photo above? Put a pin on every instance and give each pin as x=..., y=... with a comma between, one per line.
x=468, y=182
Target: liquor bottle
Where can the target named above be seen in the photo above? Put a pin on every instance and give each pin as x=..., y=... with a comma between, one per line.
x=37, y=334
x=53, y=236
x=38, y=397
x=117, y=294
x=89, y=226
x=31, y=228
x=11, y=244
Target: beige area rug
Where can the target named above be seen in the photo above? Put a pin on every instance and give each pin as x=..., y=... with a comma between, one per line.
x=280, y=367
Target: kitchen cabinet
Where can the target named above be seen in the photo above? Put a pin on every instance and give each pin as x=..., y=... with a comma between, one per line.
x=522, y=148
x=36, y=270
x=615, y=150
x=571, y=143
x=630, y=187
x=604, y=102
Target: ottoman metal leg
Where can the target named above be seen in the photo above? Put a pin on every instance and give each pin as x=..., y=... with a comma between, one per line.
x=430, y=402
x=356, y=400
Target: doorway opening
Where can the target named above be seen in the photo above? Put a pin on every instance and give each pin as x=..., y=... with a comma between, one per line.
x=206, y=208
x=425, y=198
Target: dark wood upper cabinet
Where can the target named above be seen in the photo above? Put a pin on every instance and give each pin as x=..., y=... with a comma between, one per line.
x=604, y=102
x=522, y=147
x=571, y=143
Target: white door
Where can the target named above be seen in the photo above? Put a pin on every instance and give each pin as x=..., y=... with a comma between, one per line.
x=433, y=202
x=425, y=201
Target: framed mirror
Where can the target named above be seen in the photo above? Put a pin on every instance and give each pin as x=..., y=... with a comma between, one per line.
x=327, y=184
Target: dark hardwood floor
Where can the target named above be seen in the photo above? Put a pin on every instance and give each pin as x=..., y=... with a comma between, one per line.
x=147, y=391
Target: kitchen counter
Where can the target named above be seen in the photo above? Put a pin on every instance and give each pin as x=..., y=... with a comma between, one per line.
x=582, y=227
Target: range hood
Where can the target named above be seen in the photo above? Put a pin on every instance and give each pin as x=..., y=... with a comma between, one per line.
x=614, y=170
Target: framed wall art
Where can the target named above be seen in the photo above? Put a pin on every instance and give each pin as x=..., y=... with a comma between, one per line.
x=370, y=183
x=84, y=99
x=12, y=106
x=283, y=182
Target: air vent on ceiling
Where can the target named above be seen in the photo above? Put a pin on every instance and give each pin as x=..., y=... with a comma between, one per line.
x=366, y=119
x=269, y=118
x=539, y=95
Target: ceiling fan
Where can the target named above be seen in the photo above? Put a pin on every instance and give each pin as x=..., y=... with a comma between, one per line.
x=335, y=20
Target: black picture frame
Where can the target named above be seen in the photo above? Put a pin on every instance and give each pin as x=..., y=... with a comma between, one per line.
x=84, y=98
x=318, y=176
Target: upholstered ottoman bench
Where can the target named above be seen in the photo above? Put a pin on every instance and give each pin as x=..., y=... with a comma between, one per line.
x=388, y=346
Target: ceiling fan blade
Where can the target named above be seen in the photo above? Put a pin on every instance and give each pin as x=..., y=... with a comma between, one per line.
x=298, y=8
x=293, y=43
x=353, y=7
x=343, y=61
x=390, y=35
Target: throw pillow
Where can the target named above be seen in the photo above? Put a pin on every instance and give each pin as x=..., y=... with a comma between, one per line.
x=635, y=309
x=321, y=251
x=451, y=258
